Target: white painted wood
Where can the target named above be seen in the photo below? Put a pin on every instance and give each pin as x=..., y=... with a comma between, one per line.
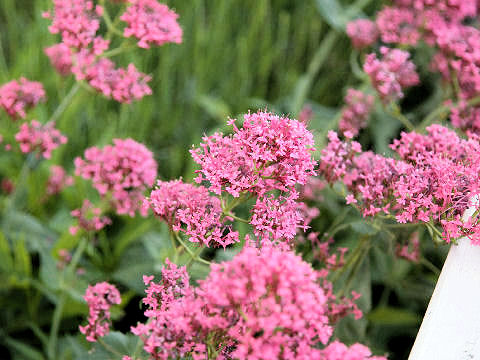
x=451, y=327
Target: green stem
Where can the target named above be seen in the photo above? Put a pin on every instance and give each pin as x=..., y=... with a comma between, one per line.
x=174, y=245
x=234, y=203
x=397, y=113
x=117, y=51
x=57, y=317
x=108, y=21
x=190, y=252
x=444, y=110
x=109, y=348
x=238, y=218
x=356, y=69
x=196, y=255
x=430, y=266
x=65, y=102
x=352, y=259
x=57, y=314
x=401, y=225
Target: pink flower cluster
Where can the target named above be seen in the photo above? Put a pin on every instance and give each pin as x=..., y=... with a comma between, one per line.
x=269, y=152
x=121, y=172
x=261, y=305
x=398, y=25
x=277, y=218
x=18, y=96
x=123, y=85
x=77, y=21
x=356, y=112
x=151, y=23
x=99, y=298
x=37, y=137
x=60, y=56
x=81, y=51
x=362, y=32
x=58, y=180
x=90, y=218
x=435, y=179
x=192, y=210
x=390, y=74
x=441, y=24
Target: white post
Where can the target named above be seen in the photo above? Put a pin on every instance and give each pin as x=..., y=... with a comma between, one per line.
x=451, y=327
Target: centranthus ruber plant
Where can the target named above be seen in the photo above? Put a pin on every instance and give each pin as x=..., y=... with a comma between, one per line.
x=270, y=237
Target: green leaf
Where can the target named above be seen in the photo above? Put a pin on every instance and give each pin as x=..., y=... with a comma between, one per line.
x=363, y=227
x=24, y=351
x=135, y=263
x=215, y=107
x=6, y=260
x=393, y=316
x=23, y=264
x=333, y=13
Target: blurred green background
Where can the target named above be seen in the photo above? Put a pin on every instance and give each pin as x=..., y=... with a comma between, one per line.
x=235, y=56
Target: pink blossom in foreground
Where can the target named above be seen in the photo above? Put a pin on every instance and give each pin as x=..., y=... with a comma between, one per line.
x=37, y=137
x=60, y=56
x=265, y=304
x=18, y=96
x=192, y=210
x=356, y=112
x=58, y=180
x=269, y=152
x=391, y=74
x=122, y=171
x=362, y=32
x=339, y=351
x=398, y=25
x=151, y=23
x=90, y=218
x=99, y=298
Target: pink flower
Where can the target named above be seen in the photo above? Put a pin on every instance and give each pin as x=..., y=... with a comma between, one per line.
x=37, y=137
x=99, y=298
x=77, y=21
x=192, y=210
x=391, y=74
x=410, y=251
x=398, y=25
x=338, y=351
x=123, y=171
x=17, y=97
x=362, y=32
x=356, y=112
x=60, y=56
x=123, y=85
x=151, y=23
x=277, y=219
x=266, y=302
x=435, y=178
x=269, y=152
x=58, y=180
x=90, y=218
